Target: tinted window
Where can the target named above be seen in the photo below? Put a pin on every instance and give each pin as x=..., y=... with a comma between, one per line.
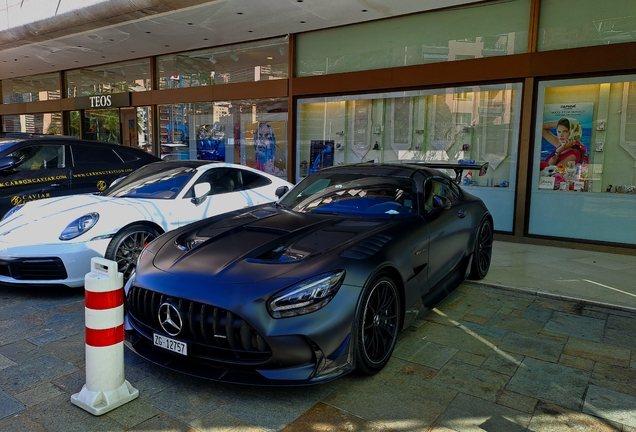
x=252, y=180
x=37, y=157
x=156, y=181
x=93, y=155
x=439, y=187
x=353, y=194
x=127, y=156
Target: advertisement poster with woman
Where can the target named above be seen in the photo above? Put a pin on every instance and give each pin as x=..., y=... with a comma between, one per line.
x=565, y=143
x=267, y=150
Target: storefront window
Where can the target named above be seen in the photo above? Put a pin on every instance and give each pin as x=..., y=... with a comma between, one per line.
x=567, y=24
x=122, y=77
x=44, y=123
x=31, y=89
x=249, y=62
x=103, y=125
x=251, y=132
x=584, y=176
x=473, y=124
x=486, y=29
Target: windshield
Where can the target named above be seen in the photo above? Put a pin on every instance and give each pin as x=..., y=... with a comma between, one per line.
x=154, y=181
x=353, y=195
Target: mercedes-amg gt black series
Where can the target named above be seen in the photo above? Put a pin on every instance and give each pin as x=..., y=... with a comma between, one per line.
x=313, y=286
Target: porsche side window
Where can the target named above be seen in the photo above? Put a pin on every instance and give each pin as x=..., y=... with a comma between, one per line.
x=39, y=157
x=250, y=180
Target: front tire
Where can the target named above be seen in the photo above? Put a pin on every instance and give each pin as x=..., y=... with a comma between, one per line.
x=483, y=251
x=126, y=246
x=378, y=323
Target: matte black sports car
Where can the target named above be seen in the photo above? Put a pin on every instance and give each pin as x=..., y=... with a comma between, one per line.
x=311, y=287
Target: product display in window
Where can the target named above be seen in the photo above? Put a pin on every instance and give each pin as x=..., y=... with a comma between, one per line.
x=211, y=142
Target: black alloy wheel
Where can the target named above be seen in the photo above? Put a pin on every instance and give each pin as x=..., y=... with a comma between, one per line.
x=483, y=251
x=378, y=325
x=126, y=246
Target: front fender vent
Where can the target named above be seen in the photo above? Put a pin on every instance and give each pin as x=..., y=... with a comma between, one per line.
x=367, y=248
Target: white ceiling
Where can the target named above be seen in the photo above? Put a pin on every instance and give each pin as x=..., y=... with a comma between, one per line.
x=109, y=31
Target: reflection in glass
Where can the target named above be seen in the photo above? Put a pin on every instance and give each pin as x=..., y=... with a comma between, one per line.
x=486, y=29
x=42, y=123
x=567, y=24
x=132, y=76
x=31, y=89
x=248, y=62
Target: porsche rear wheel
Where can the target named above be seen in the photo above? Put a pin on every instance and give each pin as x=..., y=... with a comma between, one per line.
x=126, y=246
x=378, y=325
x=483, y=251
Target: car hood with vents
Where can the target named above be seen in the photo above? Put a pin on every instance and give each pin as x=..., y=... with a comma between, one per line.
x=264, y=243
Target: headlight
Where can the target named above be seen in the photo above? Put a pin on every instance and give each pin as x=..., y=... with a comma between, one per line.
x=12, y=210
x=306, y=296
x=79, y=226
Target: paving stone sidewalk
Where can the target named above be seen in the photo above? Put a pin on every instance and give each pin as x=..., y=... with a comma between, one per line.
x=485, y=359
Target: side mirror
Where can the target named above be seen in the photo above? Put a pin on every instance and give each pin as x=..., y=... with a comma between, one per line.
x=281, y=190
x=201, y=190
x=8, y=162
x=441, y=203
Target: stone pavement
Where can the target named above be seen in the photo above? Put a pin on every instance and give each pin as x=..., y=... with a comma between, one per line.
x=484, y=359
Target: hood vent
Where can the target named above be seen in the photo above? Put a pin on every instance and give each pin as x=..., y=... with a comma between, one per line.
x=367, y=248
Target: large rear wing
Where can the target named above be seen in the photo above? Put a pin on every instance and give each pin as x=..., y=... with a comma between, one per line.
x=458, y=168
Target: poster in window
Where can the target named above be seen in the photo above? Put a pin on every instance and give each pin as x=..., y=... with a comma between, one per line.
x=265, y=146
x=565, y=142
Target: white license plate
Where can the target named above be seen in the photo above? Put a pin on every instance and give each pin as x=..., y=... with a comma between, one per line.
x=170, y=344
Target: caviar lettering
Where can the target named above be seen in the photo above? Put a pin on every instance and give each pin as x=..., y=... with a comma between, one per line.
x=100, y=101
x=21, y=199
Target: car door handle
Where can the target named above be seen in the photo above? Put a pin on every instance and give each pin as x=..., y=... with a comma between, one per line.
x=461, y=214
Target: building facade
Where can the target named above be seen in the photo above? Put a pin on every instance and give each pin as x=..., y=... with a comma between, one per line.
x=544, y=91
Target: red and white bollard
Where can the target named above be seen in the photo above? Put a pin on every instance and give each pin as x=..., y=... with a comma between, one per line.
x=106, y=387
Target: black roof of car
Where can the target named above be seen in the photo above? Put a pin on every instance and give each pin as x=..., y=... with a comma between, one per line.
x=9, y=138
x=25, y=135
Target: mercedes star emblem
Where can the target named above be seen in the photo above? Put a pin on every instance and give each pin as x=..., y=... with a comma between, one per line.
x=170, y=319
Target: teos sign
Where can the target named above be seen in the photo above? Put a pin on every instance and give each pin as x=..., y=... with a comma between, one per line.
x=114, y=100
x=104, y=101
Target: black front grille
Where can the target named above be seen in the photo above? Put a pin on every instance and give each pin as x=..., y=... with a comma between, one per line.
x=34, y=269
x=214, y=333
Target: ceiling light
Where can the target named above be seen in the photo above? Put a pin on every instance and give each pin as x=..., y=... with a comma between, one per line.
x=281, y=50
x=105, y=74
x=212, y=59
x=234, y=57
x=123, y=71
x=270, y=58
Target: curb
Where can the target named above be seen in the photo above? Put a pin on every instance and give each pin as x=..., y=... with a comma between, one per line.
x=553, y=296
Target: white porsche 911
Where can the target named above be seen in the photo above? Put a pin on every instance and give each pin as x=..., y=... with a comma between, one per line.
x=50, y=242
